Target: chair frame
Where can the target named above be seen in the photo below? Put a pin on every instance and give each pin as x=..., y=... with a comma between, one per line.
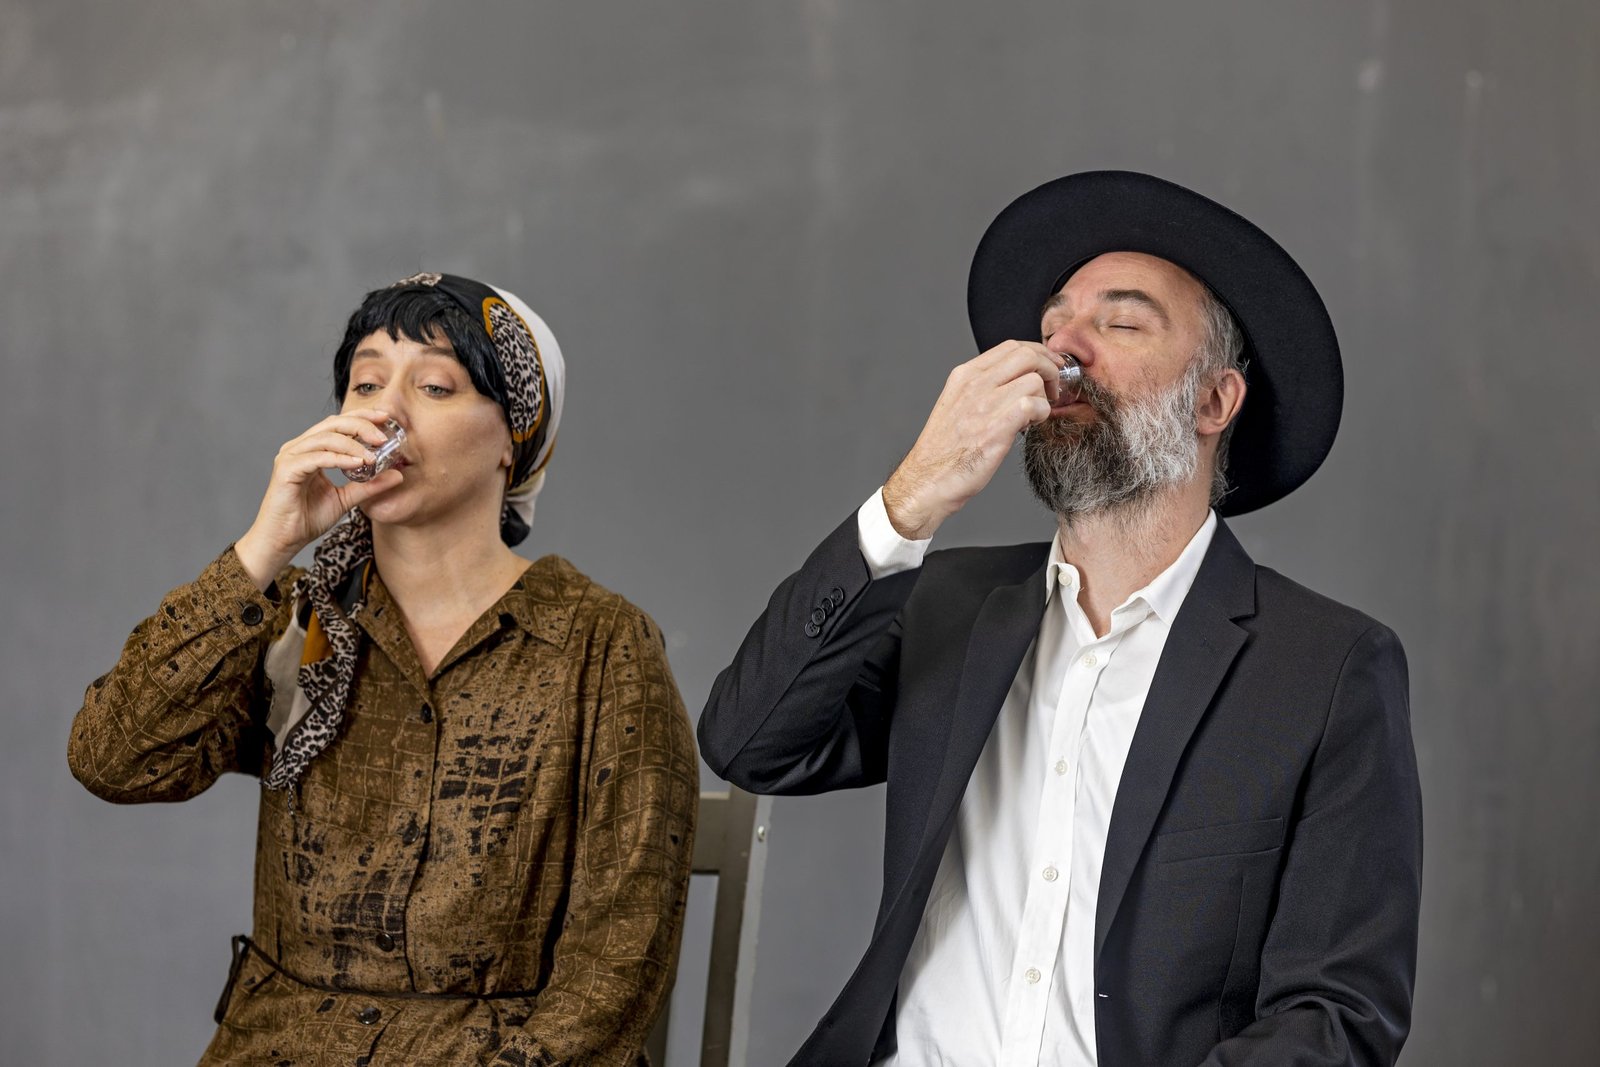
x=730, y=842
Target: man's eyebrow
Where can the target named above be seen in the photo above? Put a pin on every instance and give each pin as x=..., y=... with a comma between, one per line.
x=1137, y=296
x=1115, y=296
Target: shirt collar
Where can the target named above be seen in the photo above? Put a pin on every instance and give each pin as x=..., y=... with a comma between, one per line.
x=1163, y=595
x=545, y=600
x=542, y=602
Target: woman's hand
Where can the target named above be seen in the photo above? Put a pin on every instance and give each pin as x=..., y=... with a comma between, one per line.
x=302, y=502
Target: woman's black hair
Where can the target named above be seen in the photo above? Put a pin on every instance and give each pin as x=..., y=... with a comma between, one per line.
x=422, y=313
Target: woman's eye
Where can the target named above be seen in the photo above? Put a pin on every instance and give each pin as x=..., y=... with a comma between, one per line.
x=437, y=390
x=364, y=388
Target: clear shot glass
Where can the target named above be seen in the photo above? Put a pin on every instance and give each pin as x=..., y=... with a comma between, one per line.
x=384, y=456
x=1070, y=378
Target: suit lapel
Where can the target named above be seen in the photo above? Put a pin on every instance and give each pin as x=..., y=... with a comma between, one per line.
x=1004, y=627
x=1200, y=649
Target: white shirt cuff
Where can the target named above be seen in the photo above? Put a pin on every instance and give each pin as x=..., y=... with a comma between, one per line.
x=885, y=551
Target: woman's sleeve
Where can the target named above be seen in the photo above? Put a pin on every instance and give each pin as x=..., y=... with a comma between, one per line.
x=186, y=702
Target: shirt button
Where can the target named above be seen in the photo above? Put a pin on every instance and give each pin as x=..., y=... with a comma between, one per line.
x=1089, y=660
x=1061, y=766
x=426, y=714
x=1032, y=975
x=409, y=834
x=386, y=942
x=368, y=1015
x=251, y=614
x=1051, y=874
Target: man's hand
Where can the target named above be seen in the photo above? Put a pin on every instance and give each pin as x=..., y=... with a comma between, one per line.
x=986, y=402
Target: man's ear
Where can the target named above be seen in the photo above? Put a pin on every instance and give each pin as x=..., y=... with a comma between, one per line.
x=1220, y=403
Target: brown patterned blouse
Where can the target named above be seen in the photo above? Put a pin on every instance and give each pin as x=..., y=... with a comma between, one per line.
x=520, y=822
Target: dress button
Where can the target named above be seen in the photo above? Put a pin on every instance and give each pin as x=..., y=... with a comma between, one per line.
x=368, y=1015
x=1032, y=975
x=251, y=614
x=386, y=942
x=1051, y=874
x=426, y=714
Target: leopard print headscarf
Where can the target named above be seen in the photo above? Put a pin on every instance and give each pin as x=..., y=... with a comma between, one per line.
x=312, y=666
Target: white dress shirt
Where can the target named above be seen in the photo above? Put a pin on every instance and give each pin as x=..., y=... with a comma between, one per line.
x=1002, y=969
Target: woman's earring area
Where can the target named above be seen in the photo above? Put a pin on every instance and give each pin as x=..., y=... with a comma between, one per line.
x=384, y=456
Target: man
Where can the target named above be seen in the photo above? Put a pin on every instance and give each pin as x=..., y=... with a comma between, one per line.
x=1148, y=803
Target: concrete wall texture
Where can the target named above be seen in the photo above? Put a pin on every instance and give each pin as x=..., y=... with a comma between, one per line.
x=750, y=226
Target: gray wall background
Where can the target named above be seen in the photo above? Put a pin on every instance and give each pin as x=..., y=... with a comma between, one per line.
x=750, y=225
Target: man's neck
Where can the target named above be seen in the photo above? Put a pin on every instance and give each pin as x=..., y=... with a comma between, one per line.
x=1121, y=550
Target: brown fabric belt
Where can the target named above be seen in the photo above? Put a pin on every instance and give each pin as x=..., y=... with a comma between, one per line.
x=243, y=946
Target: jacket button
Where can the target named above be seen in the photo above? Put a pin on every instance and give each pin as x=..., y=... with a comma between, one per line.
x=386, y=942
x=368, y=1015
x=818, y=616
x=251, y=614
x=837, y=596
x=812, y=629
x=426, y=714
x=409, y=834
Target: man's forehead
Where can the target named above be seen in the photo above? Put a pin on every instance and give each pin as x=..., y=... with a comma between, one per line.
x=1112, y=275
x=1131, y=264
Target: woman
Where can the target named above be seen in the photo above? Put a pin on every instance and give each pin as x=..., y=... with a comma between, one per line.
x=480, y=784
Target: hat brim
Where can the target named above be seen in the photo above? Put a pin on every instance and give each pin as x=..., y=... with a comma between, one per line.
x=1293, y=372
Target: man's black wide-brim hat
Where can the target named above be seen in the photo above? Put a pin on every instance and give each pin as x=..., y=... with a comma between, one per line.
x=1294, y=377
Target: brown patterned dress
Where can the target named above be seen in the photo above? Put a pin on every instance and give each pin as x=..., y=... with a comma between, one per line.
x=518, y=823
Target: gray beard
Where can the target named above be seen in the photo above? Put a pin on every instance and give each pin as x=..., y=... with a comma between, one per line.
x=1118, y=462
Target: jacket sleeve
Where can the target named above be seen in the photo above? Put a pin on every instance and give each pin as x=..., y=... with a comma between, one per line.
x=1339, y=962
x=617, y=952
x=804, y=706
x=186, y=701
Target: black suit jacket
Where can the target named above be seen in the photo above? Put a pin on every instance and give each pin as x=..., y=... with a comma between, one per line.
x=1259, y=895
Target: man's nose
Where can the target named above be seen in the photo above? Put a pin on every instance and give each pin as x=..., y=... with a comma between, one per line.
x=1067, y=340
